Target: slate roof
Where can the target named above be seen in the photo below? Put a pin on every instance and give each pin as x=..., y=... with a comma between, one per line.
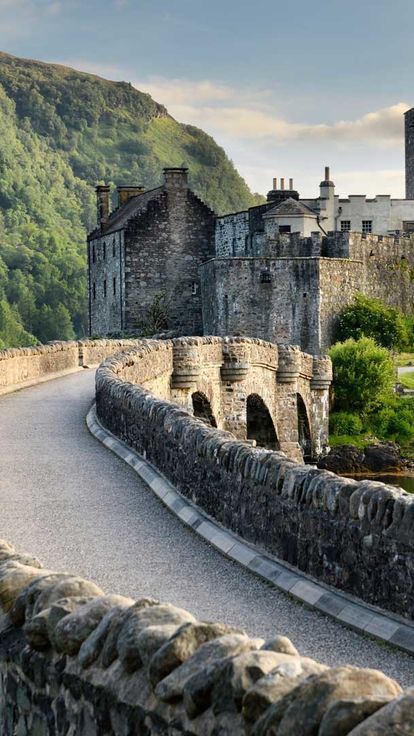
x=290, y=208
x=119, y=218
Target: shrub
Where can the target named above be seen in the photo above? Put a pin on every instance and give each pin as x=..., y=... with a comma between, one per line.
x=363, y=376
x=343, y=422
x=368, y=317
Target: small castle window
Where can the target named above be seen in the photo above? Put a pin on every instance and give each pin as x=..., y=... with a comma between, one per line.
x=93, y=254
x=105, y=287
x=94, y=290
x=265, y=277
x=114, y=285
x=194, y=288
x=345, y=226
x=104, y=251
x=284, y=229
x=113, y=249
x=366, y=226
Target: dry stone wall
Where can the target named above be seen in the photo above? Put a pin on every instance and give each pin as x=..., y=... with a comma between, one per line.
x=75, y=661
x=357, y=536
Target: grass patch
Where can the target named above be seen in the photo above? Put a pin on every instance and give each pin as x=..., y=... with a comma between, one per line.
x=407, y=380
x=358, y=440
x=403, y=359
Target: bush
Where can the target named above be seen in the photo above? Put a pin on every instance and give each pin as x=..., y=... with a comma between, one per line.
x=395, y=420
x=343, y=422
x=368, y=317
x=363, y=376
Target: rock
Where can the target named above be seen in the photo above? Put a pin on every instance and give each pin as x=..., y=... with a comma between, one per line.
x=23, y=607
x=276, y=684
x=14, y=577
x=242, y=671
x=182, y=645
x=6, y=549
x=39, y=630
x=92, y=646
x=74, y=628
x=152, y=638
x=343, y=459
x=302, y=710
x=377, y=458
x=139, y=618
x=343, y=715
x=281, y=644
x=67, y=587
x=395, y=719
x=211, y=653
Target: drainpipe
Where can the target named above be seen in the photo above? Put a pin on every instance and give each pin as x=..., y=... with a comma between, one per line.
x=318, y=222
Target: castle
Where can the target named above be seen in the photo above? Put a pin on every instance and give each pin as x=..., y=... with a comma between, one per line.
x=282, y=271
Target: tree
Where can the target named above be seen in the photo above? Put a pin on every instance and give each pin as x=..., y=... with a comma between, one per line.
x=368, y=317
x=363, y=375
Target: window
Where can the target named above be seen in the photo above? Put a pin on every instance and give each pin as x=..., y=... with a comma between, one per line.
x=105, y=287
x=93, y=254
x=104, y=251
x=114, y=285
x=265, y=276
x=194, y=288
x=408, y=226
x=94, y=290
x=367, y=226
x=345, y=226
x=113, y=249
x=284, y=229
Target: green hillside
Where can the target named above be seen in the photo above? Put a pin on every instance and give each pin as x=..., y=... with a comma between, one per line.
x=62, y=131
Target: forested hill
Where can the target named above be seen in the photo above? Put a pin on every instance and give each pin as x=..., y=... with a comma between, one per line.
x=61, y=132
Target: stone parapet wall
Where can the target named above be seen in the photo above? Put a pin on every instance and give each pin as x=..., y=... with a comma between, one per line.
x=29, y=365
x=356, y=536
x=76, y=661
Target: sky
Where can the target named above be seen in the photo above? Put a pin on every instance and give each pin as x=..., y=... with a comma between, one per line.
x=285, y=87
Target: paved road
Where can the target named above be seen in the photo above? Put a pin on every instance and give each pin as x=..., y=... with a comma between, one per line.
x=68, y=500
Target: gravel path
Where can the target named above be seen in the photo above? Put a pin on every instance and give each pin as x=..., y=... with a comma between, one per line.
x=68, y=500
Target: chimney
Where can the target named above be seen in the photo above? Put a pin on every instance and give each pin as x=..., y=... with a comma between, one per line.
x=176, y=178
x=102, y=204
x=290, y=184
x=274, y=184
x=125, y=192
x=327, y=173
x=282, y=185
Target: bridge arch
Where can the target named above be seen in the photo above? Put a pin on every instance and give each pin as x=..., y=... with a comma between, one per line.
x=202, y=408
x=259, y=423
x=304, y=429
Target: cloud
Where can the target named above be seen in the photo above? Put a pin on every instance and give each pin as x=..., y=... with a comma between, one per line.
x=17, y=17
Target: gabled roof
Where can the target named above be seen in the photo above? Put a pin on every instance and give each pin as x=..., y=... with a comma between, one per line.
x=118, y=219
x=290, y=208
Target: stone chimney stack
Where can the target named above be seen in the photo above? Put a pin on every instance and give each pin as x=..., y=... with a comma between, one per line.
x=176, y=178
x=102, y=204
x=274, y=184
x=327, y=173
x=125, y=192
x=290, y=184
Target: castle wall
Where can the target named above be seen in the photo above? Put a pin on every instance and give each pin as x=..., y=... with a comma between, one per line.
x=356, y=536
x=232, y=233
x=106, y=274
x=276, y=299
x=164, y=248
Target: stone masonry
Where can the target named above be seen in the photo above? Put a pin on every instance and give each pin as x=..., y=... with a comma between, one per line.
x=75, y=661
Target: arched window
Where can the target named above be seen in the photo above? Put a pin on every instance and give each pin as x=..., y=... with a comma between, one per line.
x=202, y=409
x=260, y=426
x=305, y=438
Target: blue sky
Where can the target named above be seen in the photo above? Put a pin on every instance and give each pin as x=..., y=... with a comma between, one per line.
x=286, y=88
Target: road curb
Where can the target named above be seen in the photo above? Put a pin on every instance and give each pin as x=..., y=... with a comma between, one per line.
x=345, y=609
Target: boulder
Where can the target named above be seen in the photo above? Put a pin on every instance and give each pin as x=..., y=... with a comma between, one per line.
x=375, y=458
x=45, y=590
x=39, y=630
x=281, y=644
x=278, y=683
x=343, y=715
x=14, y=577
x=302, y=710
x=139, y=618
x=395, y=719
x=74, y=628
x=182, y=645
x=92, y=647
x=211, y=653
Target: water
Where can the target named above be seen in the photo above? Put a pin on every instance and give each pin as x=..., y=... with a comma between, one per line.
x=404, y=481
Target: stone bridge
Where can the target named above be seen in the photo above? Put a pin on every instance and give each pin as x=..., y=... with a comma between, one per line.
x=66, y=499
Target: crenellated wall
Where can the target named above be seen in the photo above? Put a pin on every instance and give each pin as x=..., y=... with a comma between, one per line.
x=356, y=536
x=77, y=662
